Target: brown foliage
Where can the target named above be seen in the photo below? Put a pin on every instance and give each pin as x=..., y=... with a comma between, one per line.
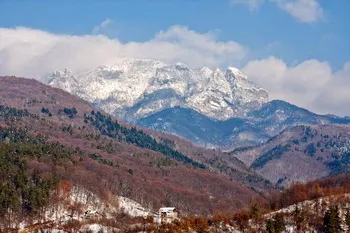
x=312, y=190
x=64, y=188
x=191, y=190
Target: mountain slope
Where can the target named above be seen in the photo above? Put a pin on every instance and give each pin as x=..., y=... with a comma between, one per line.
x=300, y=208
x=300, y=153
x=257, y=127
x=110, y=158
x=277, y=115
x=205, y=131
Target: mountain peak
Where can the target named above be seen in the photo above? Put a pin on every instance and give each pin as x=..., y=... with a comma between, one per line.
x=236, y=72
x=135, y=88
x=62, y=73
x=181, y=66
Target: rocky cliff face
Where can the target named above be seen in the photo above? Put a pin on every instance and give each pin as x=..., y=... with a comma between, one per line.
x=133, y=89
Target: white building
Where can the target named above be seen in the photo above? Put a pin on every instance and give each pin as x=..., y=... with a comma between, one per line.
x=167, y=214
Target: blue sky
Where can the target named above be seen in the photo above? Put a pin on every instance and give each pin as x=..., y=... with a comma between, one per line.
x=265, y=31
x=299, y=50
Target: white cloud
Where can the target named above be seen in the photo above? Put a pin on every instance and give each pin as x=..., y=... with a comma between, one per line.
x=251, y=4
x=311, y=84
x=201, y=49
x=335, y=96
x=307, y=11
x=33, y=53
x=102, y=27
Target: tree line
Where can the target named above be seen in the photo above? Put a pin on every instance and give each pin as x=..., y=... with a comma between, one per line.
x=113, y=129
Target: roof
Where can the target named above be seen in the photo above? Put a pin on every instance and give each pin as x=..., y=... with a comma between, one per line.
x=167, y=209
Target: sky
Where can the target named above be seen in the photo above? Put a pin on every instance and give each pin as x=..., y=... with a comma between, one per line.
x=299, y=50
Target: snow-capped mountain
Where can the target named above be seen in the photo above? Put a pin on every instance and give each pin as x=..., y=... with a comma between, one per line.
x=133, y=89
x=209, y=107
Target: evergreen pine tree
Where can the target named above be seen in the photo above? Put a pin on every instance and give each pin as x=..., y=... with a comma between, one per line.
x=299, y=218
x=279, y=223
x=276, y=225
x=270, y=228
x=331, y=220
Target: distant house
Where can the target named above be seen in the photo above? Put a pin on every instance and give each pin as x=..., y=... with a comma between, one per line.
x=167, y=214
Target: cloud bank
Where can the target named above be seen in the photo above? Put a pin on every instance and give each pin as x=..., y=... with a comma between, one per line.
x=306, y=11
x=34, y=53
x=311, y=84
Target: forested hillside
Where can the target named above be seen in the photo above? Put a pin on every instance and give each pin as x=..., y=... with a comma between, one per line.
x=318, y=206
x=301, y=153
x=48, y=136
x=54, y=144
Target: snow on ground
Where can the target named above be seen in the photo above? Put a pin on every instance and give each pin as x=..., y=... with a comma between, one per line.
x=313, y=205
x=310, y=204
x=133, y=208
x=78, y=205
x=95, y=228
x=83, y=206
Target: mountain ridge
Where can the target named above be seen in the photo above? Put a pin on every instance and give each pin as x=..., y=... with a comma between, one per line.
x=214, y=93
x=300, y=153
x=227, y=104
x=258, y=127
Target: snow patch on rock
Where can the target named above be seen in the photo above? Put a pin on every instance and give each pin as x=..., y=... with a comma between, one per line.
x=125, y=85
